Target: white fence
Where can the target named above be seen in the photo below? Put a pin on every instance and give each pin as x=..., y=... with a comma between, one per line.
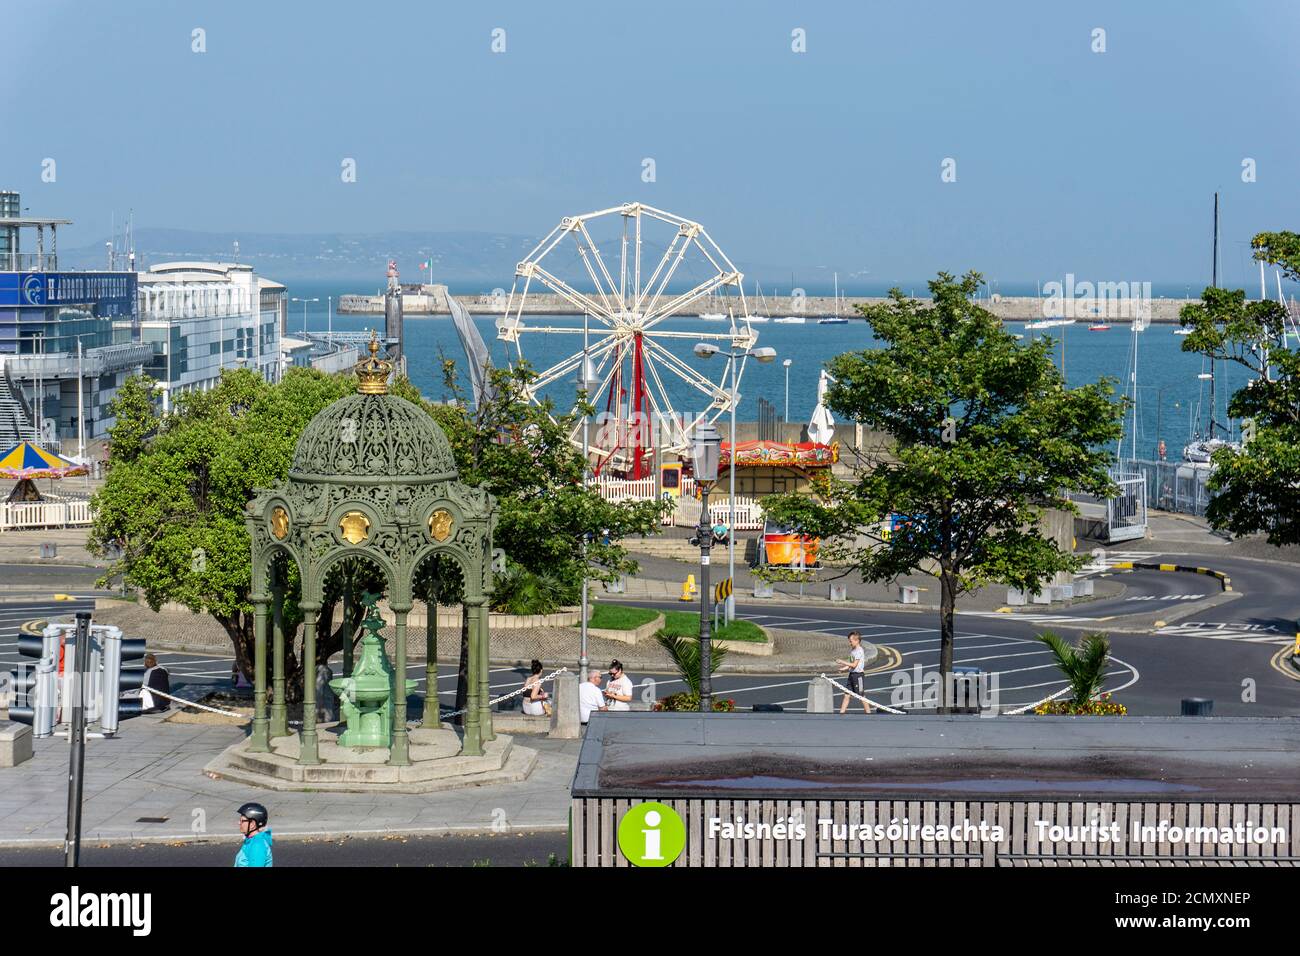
x=749, y=514
x=44, y=514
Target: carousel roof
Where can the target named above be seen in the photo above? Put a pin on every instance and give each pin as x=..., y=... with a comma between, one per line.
x=26, y=460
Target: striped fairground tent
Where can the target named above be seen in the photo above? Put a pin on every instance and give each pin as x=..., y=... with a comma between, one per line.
x=26, y=460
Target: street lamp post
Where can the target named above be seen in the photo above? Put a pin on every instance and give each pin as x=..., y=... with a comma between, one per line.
x=763, y=355
x=587, y=382
x=705, y=452
x=304, y=311
x=787, y=363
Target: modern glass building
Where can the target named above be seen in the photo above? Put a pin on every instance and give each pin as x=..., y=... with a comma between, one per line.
x=61, y=354
x=202, y=317
x=69, y=339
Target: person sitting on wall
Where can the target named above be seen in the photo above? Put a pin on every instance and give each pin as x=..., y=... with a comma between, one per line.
x=537, y=702
x=155, y=678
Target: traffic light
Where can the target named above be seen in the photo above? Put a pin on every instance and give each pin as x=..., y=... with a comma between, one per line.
x=36, y=686
x=115, y=680
x=42, y=691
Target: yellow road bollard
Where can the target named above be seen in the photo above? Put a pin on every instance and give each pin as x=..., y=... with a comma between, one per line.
x=689, y=590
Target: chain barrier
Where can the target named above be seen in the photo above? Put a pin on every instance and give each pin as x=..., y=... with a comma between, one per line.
x=514, y=693
x=1021, y=710
x=883, y=707
x=190, y=703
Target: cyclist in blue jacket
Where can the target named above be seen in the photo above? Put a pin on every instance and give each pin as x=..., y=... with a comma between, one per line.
x=256, y=848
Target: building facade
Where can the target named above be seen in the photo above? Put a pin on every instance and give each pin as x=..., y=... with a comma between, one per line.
x=202, y=317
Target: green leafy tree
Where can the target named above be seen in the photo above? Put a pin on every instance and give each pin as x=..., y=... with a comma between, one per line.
x=982, y=438
x=1254, y=489
x=1083, y=666
x=173, y=514
x=173, y=504
x=521, y=452
x=135, y=419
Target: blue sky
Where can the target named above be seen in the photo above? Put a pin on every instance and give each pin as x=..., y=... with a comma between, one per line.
x=1067, y=160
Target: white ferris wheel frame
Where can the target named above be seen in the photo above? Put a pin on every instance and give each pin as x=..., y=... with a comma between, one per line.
x=625, y=306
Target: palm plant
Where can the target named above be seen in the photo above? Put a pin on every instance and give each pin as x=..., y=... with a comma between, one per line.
x=1084, y=665
x=685, y=655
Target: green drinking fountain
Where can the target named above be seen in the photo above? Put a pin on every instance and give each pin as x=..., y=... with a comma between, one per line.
x=366, y=696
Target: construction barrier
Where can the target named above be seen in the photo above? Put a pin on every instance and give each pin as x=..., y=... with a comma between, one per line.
x=1144, y=566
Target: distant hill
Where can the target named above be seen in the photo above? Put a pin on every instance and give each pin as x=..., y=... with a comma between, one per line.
x=458, y=257
x=478, y=261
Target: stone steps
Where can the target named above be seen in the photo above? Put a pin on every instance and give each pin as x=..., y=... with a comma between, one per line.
x=502, y=762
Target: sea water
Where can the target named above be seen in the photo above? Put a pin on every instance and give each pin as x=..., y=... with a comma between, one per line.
x=1173, y=403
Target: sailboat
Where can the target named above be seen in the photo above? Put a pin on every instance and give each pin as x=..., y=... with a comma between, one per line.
x=835, y=320
x=766, y=316
x=1199, y=452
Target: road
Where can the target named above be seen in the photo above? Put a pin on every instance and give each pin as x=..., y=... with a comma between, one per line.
x=507, y=849
x=1222, y=652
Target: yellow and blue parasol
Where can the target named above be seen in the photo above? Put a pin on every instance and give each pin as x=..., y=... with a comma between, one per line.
x=26, y=460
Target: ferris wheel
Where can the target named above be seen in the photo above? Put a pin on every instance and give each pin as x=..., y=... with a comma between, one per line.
x=625, y=271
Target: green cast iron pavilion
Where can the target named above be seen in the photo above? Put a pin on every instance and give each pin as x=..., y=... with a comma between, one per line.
x=373, y=477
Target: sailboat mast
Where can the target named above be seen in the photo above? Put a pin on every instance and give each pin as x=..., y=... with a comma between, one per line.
x=1214, y=269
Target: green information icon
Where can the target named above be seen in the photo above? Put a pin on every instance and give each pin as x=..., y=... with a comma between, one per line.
x=651, y=834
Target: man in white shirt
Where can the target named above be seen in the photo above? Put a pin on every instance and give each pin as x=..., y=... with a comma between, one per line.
x=618, y=695
x=590, y=697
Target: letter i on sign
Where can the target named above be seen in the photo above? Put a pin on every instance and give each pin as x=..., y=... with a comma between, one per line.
x=651, y=834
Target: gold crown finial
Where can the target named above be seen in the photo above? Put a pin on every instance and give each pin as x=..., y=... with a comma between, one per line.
x=373, y=372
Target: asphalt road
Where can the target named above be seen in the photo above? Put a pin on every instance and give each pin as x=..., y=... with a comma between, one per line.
x=507, y=849
x=1222, y=652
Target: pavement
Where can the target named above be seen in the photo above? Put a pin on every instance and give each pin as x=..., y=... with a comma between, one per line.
x=147, y=786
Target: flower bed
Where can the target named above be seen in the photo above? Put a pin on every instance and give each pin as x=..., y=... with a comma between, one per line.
x=691, y=702
x=1103, y=706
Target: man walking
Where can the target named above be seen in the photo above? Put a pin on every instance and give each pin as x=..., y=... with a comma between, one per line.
x=855, y=665
x=590, y=697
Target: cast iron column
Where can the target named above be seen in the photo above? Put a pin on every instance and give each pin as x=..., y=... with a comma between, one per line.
x=260, y=740
x=399, y=755
x=473, y=741
x=279, y=694
x=309, y=748
x=479, y=626
x=431, y=712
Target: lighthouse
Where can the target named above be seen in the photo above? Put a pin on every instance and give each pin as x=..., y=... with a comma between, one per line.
x=393, y=316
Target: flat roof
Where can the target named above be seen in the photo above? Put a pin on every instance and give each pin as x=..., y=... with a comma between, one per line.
x=740, y=756
x=32, y=221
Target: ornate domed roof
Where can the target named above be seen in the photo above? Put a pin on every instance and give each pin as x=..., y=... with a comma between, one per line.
x=372, y=437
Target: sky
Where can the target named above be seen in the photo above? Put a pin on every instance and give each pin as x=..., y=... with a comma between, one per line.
x=814, y=133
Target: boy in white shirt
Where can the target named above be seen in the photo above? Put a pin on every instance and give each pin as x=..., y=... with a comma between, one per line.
x=618, y=695
x=589, y=697
x=855, y=665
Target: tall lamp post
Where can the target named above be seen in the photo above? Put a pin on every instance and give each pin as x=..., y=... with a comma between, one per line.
x=706, y=449
x=304, y=311
x=587, y=382
x=764, y=355
x=787, y=363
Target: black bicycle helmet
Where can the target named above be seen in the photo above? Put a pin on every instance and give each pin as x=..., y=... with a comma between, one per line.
x=255, y=812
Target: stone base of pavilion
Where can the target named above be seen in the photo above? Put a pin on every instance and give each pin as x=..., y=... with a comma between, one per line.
x=436, y=764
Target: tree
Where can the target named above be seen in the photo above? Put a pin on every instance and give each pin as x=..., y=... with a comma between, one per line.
x=135, y=419
x=173, y=504
x=520, y=451
x=982, y=438
x=1083, y=667
x=1255, y=488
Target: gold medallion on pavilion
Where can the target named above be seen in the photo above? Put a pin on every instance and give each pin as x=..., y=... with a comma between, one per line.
x=440, y=523
x=279, y=523
x=355, y=527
